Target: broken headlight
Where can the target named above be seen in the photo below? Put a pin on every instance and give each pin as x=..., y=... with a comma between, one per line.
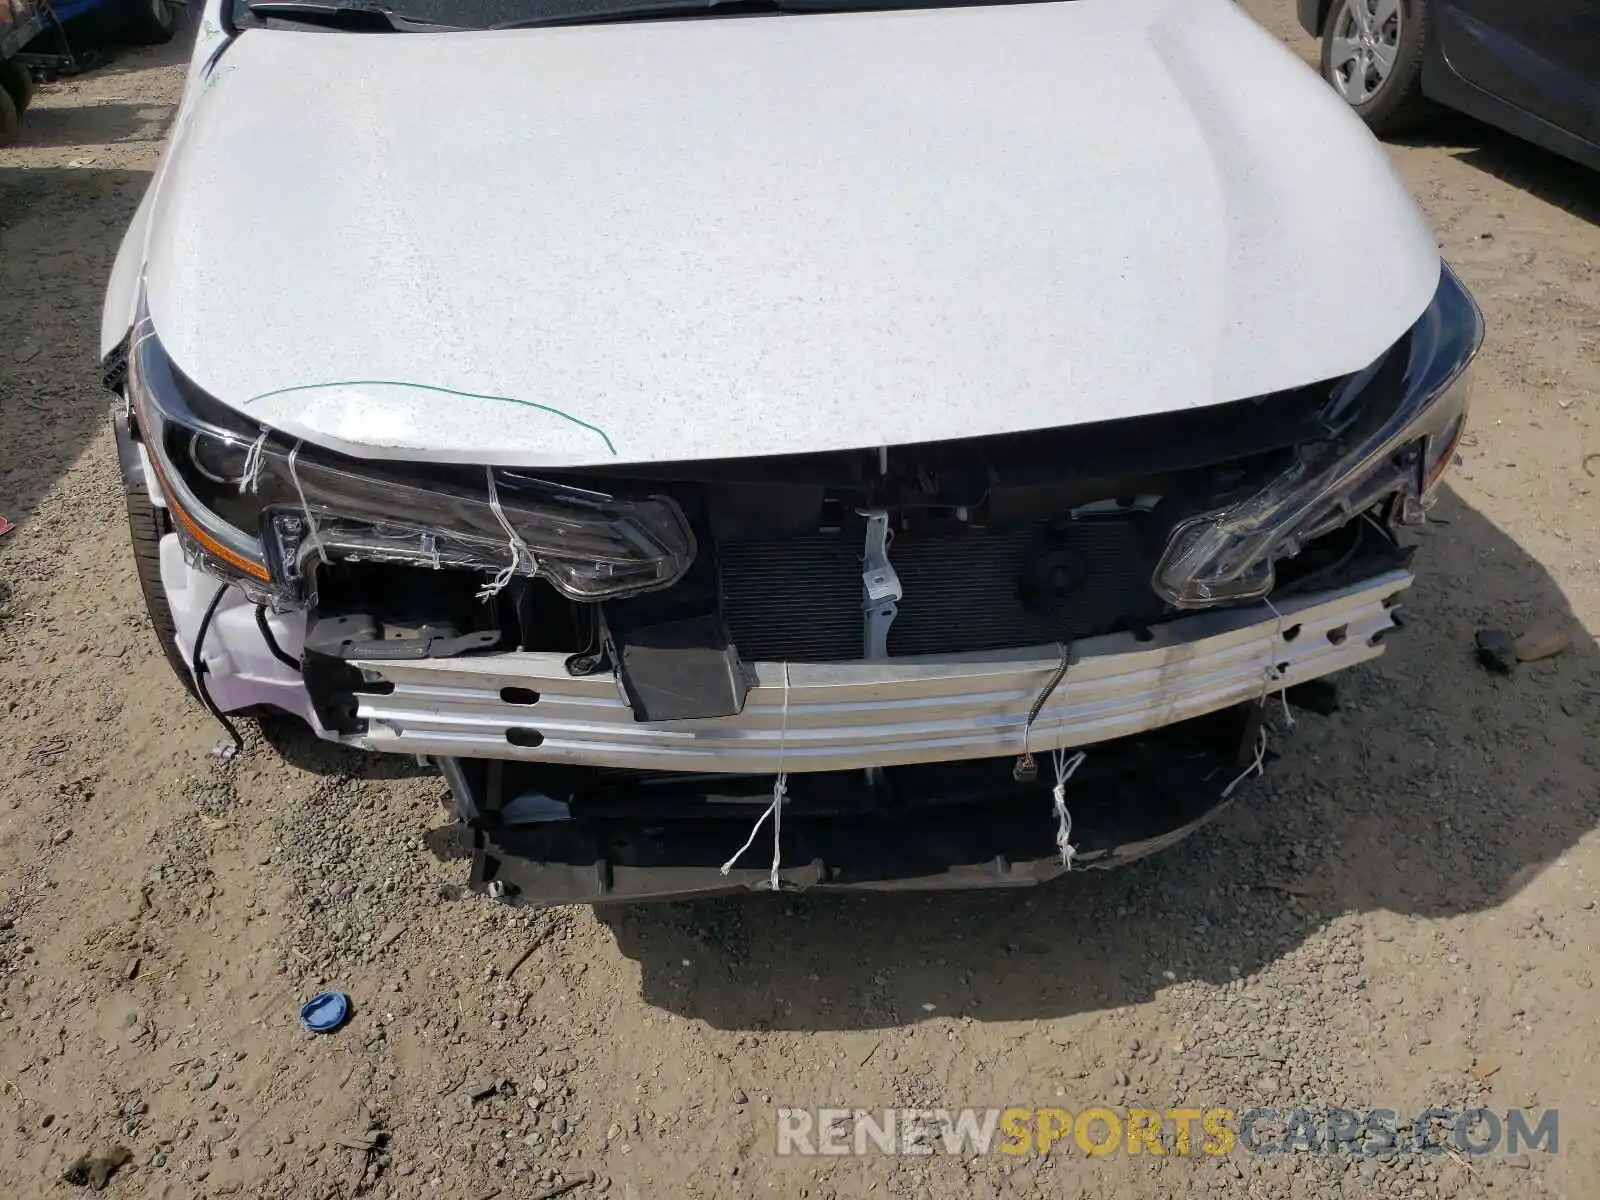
x=1374, y=449
x=258, y=508
x=590, y=546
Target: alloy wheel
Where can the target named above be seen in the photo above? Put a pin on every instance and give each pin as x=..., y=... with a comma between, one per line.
x=1365, y=44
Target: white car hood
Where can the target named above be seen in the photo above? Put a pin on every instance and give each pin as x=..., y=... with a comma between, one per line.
x=761, y=235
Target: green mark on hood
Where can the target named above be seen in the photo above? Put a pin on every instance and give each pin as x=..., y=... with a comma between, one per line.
x=428, y=387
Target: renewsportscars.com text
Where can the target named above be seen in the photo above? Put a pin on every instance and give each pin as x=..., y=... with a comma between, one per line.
x=1101, y=1130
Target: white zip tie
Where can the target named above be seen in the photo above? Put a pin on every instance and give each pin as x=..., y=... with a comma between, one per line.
x=1257, y=767
x=750, y=841
x=1066, y=768
x=251, y=476
x=514, y=541
x=780, y=786
x=780, y=792
x=1283, y=701
x=311, y=521
x=1272, y=672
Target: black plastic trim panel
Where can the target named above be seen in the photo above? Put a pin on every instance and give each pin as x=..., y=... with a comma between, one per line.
x=554, y=835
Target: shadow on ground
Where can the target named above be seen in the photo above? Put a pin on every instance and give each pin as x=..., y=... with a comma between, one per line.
x=292, y=740
x=60, y=231
x=1437, y=790
x=1555, y=180
x=125, y=57
x=97, y=41
x=89, y=125
x=60, y=228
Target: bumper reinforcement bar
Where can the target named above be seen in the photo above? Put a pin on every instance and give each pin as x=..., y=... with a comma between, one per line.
x=849, y=715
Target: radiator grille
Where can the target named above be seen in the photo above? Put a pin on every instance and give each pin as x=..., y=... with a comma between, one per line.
x=799, y=600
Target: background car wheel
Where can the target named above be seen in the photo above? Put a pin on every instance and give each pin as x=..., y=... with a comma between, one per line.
x=148, y=524
x=10, y=119
x=17, y=82
x=1372, y=55
x=151, y=22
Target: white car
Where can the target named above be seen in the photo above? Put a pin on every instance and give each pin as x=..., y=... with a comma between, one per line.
x=909, y=443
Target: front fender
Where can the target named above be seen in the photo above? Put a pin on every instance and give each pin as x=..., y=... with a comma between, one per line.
x=122, y=290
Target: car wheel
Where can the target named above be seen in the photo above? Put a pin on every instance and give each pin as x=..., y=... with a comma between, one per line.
x=10, y=118
x=1372, y=55
x=151, y=22
x=17, y=82
x=147, y=524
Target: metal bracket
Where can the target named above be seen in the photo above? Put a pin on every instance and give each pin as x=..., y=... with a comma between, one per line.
x=880, y=586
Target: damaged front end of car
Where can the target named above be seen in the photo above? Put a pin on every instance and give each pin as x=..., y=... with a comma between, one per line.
x=949, y=664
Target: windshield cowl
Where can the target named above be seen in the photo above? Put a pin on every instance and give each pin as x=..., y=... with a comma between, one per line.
x=446, y=16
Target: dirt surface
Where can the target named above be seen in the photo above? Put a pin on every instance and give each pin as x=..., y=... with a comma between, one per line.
x=1404, y=915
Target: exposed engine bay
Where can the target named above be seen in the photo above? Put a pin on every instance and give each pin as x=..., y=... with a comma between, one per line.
x=878, y=555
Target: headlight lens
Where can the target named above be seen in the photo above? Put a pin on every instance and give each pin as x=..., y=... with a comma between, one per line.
x=223, y=460
x=1228, y=554
x=257, y=508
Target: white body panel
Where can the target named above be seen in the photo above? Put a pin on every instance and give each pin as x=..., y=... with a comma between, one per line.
x=241, y=671
x=761, y=235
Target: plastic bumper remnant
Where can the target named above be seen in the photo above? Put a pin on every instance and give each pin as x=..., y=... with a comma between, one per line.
x=550, y=835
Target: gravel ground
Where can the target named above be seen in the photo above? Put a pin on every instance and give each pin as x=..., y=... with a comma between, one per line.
x=1403, y=915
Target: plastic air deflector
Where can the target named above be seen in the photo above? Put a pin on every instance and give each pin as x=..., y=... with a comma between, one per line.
x=680, y=670
x=672, y=651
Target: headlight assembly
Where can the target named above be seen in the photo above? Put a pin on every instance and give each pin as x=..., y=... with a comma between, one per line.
x=590, y=546
x=179, y=442
x=1373, y=450
x=257, y=508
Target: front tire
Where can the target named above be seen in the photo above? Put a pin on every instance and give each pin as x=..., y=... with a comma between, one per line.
x=147, y=525
x=10, y=118
x=17, y=82
x=151, y=22
x=1372, y=56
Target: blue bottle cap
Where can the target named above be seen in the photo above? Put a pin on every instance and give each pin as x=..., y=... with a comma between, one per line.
x=325, y=1012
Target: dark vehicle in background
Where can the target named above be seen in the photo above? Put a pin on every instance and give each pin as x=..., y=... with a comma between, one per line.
x=141, y=22
x=1531, y=67
x=20, y=22
x=53, y=39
